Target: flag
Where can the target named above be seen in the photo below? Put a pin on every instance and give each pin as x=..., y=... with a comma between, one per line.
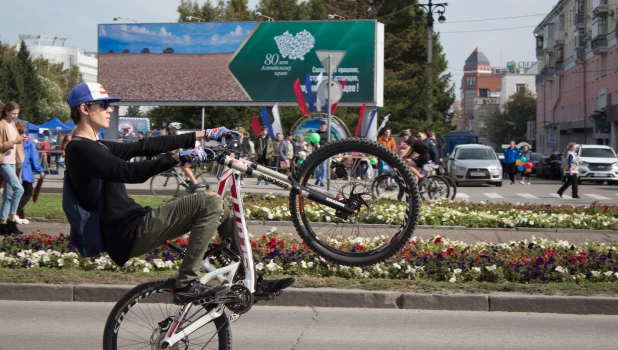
x=277, y=122
x=300, y=97
x=383, y=123
x=334, y=106
x=266, y=123
x=318, y=104
x=360, y=119
x=309, y=92
x=373, y=115
x=256, y=126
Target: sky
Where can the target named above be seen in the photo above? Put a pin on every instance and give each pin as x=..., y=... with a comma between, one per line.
x=194, y=38
x=77, y=20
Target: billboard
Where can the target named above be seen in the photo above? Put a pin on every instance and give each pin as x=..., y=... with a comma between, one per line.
x=134, y=124
x=237, y=63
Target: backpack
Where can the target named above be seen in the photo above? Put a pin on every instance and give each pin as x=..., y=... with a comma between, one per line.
x=86, y=233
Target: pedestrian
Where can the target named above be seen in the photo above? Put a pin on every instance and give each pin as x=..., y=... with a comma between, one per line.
x=65, y=141
x=389, y=142
x=438, y=143
x=275, y=155
x=526, y=172
x=570, y=168
x=245, y=149
x=11, y=154
x=510, y=157
x=320, y=171
x=264, y=150
x=286, y=153
x=29, y=166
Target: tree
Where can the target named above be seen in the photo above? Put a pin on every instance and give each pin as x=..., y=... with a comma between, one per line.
x=511, y=124
x=133, y=111
x=54, y=105
x=11, y=82
x=33, y=92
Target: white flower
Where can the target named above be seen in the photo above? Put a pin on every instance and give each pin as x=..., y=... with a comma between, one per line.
x=561, y=269
x=453, y=279
x=397, y=266
x=477, y=269
x=457, y=271
x=608, y=273
x=146, y=269
x=491, y=268
x=310, y=264
x=273, y=229
x=595, y=273
x=259, y=266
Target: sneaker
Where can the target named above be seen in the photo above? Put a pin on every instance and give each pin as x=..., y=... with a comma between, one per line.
x=528, y=183
x=25, y=221
x=317, y=182
x=512, y=183
x=18, y=220
x=273, y=286
x=521, y=182
x=322, y=184
x=11, y=227
x=242, y=183
x=259, y=182
x=195, y=291
x=560, y=194
x=266, y=183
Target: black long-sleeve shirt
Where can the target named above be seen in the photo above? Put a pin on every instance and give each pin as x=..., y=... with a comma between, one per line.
x=87, y=162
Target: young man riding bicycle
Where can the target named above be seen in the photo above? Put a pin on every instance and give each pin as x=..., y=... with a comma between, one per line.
x=130, y=230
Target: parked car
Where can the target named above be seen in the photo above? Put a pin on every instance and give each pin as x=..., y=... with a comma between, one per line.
x=596, y=163
x=110, y=51
x=168, y=50
x=125, y=51
x=536, y=158
x=538, y=168
x=474, y=164
x=145, y=50
x=551, y=167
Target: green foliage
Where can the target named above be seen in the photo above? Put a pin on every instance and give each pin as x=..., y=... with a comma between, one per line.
x=512, y=123
x=54, y=104
x=133, y=111
x=33, y=92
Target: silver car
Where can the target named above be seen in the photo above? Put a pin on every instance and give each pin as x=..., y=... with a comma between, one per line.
x=475, y=164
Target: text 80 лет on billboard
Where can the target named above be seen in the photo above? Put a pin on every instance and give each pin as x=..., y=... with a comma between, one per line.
x=237, y=63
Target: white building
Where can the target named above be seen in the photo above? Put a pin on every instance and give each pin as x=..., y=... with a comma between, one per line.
x=39, y=46
x=513, y=82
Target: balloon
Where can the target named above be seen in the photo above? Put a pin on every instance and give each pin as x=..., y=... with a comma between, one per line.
x=315, y=137
x=520, y=168
x=523, y=159
x=373, y=161
x=518, y=162
x=528, y=165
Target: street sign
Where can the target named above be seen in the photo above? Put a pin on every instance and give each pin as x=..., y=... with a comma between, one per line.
x=335, y=57
x=336, y=92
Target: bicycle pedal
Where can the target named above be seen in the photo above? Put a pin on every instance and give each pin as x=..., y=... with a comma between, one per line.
x=266, y=296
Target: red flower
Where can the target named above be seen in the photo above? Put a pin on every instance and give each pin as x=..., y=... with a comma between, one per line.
x=294, y=248
x=549, y=253
x=263, y=237
x=414, y=243
x=438, y=240
x=273, y=243
x=304, y=244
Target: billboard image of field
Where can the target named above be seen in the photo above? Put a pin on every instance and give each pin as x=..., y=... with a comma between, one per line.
x=235, y=63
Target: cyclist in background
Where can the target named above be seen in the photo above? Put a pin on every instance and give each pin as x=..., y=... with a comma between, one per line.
x=186, y=168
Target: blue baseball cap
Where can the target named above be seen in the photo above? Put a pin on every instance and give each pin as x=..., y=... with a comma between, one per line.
x=86, y=92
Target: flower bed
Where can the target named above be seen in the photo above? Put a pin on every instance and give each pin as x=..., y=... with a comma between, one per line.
x=438, y=259
x=448, y=213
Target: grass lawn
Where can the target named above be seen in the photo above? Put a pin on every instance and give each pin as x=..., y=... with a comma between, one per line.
x=75, y=276
x=49, y=205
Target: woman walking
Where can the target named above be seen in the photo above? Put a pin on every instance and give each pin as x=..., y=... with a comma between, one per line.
x=11, y=154
x=29, y=166
x=571, y=168
x=526, y=172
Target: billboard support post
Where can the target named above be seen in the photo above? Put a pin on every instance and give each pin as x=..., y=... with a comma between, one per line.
x=203, y=114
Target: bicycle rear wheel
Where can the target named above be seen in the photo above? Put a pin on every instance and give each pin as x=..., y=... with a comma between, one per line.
x=387, y=187
x=437, y=187
x=380, y=226
x=142, y=317
x=165, y=184
x=452, y=186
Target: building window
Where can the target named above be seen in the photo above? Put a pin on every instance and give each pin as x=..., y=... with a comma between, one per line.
x=482, y=124
x=520, y=87
x=484, y=102
x=484, y=93
x=482, y=135
x=604, y=63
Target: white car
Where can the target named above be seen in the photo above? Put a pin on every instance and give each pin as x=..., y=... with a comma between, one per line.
x=474, y=164
x=596, y=163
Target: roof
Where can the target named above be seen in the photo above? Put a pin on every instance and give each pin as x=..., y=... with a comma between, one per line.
x=477, y=58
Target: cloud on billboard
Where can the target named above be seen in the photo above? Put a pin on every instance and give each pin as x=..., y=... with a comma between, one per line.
x=195, y=38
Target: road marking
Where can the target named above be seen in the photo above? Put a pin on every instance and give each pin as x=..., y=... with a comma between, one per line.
x=564, y=196
x=596, y=196
x=527, y=195
x=493, y=195
x=461, y=195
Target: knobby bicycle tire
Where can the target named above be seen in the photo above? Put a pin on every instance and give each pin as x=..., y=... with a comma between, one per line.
x=438, y=187
x=377, y=186
x=365, y=256
x=452, y=186
x=154, y=300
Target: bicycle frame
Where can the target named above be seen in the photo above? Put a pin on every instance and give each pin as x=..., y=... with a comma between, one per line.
x=230, y=181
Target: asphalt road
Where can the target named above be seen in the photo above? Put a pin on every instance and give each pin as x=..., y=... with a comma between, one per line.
x=58, y=325
x=540, y=191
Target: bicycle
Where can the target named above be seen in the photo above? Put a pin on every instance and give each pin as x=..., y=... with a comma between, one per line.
x=430, y=187
x=168, y=182
x=146, y=318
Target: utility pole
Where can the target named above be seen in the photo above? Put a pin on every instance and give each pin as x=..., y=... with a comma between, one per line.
x=430, y=8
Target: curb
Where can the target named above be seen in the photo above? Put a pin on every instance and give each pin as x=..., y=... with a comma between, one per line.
x=345, y=298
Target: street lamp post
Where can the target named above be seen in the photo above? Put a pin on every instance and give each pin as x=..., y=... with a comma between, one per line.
x=124, y=19
x=269, y=19
x=335, y=16
x=430, y=8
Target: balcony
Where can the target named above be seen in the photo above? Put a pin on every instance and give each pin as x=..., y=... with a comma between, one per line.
x=599, y=7
x=579, y=20
x=548, y=72
x=599, y=44
x=559, y=68
x=539, y=79
x=539, y=53
x=580, y=55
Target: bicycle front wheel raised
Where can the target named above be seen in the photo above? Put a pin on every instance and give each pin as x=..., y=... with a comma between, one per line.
x=143, y=316
x=164, y=184
x=379, y=228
